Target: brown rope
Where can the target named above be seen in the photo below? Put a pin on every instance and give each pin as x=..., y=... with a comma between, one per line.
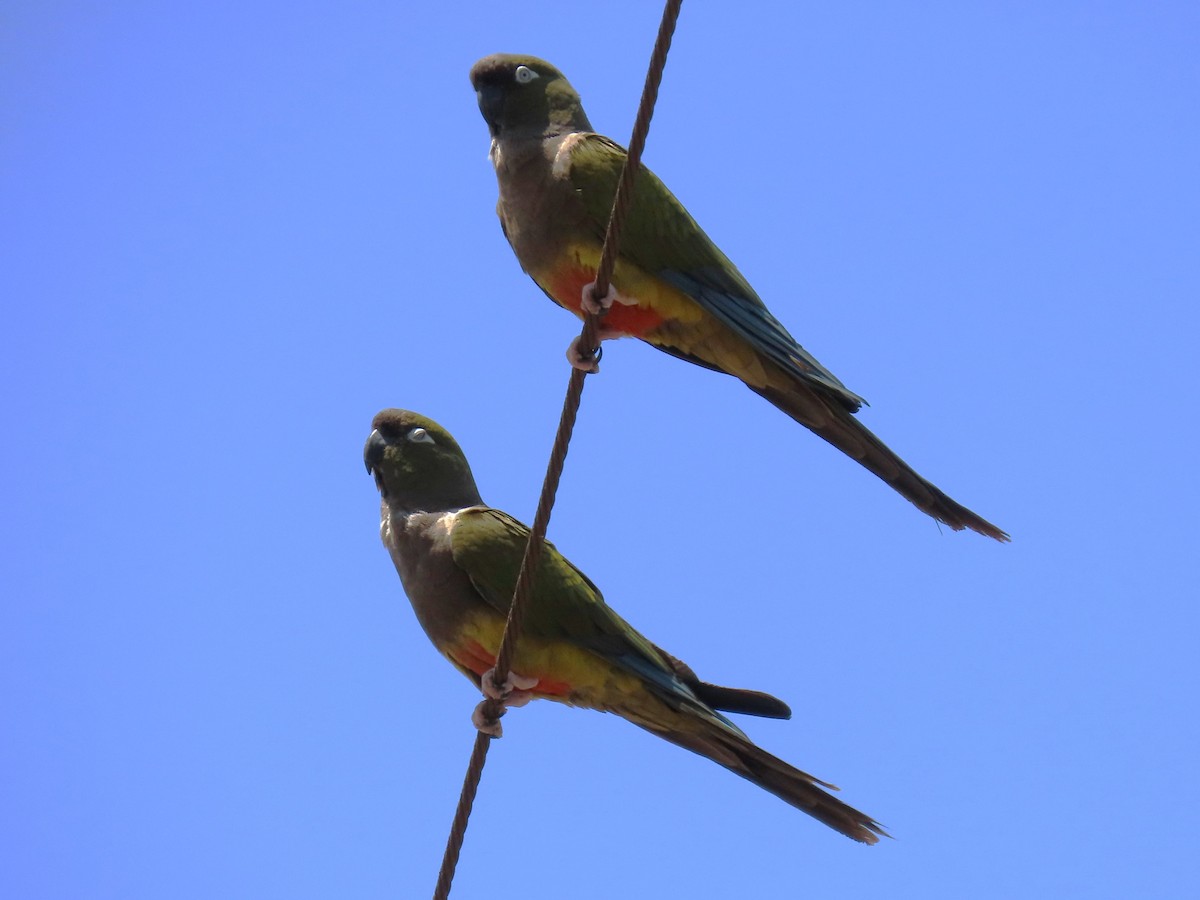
x=459, y=828
x=588, y=345
x=641, y=127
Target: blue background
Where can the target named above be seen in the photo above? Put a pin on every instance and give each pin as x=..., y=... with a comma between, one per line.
x=234, y=231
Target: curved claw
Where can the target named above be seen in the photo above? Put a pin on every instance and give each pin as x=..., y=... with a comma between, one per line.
x=517, y=690
x=589, y=303
x=513, y=685
x=584, y=362
x=481, y=720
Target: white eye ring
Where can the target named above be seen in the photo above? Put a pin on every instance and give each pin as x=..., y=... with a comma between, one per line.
x=524, y=75
x=420, y=436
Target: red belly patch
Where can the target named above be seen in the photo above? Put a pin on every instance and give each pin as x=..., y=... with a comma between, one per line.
x=566, y=287
x=472, y=655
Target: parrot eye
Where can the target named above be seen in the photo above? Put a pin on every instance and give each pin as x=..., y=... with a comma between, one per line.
x=524, y=75
x=420, y=436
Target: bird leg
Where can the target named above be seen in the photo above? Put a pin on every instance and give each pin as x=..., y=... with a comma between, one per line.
x=584, y=362
x=515, y=691
x=593, y=305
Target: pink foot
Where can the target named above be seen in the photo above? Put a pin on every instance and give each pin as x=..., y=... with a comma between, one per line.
x=516, y=691
x=592, y=305
x=486, y=724
x=584, y=362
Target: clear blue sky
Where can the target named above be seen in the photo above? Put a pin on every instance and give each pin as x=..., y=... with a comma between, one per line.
x=232, y=232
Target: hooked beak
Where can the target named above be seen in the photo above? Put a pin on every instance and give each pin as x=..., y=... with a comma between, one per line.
x=491, y=104
x=373, y=452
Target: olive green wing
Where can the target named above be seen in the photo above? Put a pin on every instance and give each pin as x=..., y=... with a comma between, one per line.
x=564, y=606
x=662, y=238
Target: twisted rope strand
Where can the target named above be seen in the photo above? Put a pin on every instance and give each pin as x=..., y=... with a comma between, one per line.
x=462, y=813
x=588, y=344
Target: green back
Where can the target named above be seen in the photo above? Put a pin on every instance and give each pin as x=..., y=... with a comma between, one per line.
x=663, y=239
x=565, y=605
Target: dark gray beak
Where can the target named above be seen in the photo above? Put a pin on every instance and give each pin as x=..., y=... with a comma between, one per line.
x=373, y=452
x=491, y=104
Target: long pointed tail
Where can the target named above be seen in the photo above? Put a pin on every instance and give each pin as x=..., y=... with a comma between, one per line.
x=826, y=417
x=801, y=790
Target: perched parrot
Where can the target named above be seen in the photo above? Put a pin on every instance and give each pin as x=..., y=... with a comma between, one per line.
x=672, y=286
x=458, y=561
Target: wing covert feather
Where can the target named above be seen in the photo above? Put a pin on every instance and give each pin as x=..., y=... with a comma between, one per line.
x=662, y=238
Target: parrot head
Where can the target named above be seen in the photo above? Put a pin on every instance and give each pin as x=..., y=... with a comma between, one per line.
x=417, y=464
x=523, y=96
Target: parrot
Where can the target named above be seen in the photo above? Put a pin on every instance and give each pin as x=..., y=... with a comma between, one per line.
x=458, y=561
x=672, y=287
